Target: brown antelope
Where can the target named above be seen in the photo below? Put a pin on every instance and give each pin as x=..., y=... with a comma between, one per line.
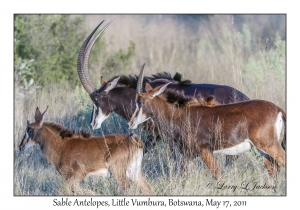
x=77, y=155
x=118, y=94
x=229, y=129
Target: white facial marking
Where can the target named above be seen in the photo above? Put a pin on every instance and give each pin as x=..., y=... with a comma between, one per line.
x=93, y=115
x=134, y=169
x=29, y=144
x=99, y=119
x=237, y=149
x=140, y=118
x=279, y=125
x=26, y=134
x=133, y=115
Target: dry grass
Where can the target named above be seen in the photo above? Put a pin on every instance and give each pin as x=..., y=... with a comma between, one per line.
x=34, y=175
x=213, y=53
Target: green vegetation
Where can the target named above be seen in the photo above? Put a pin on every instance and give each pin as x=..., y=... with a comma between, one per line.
x=46, y=49
x=216, y=51
x=51, y=42
x=119, y=62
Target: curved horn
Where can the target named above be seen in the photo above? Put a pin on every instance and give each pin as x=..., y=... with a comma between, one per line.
x=140, y=80
x=86, y=82
x=86, y=57
x=82, y=60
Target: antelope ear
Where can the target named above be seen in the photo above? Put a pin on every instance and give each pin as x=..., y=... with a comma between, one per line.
x=111, y=85
x=37, y=114
x=148, y=87
x=160, y=89
x=28, y=122
x=102, y=81
x=41, y=120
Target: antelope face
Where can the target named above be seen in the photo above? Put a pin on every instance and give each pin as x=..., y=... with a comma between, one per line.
x=143, y=110
x=137, y=118
x=27, y=140
x=101, y=110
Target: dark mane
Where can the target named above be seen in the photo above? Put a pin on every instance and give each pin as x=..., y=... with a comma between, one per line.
x=160, y=75
x=178, y=77
x=131, y=81
x=65, y=132
x=166, y=75
x=176, y=96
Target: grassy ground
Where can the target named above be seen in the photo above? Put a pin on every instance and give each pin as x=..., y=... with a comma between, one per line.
x=34, y=175
x=214, y=53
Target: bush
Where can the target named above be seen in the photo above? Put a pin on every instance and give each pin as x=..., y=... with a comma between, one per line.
x=46, y=49
x=53, y=42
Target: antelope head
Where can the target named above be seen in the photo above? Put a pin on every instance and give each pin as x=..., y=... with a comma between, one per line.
x=139, y=116
x=100, y=97
x=101, y=106
x=31, y=131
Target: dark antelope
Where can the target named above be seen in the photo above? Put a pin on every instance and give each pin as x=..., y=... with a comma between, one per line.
x=118, y=94
x=77, y=155
x=229, y=129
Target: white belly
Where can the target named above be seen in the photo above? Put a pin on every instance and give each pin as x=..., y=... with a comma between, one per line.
x=102, y=172
x=239, y=148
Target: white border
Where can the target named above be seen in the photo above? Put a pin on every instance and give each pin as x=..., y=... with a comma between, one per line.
x=8, y=201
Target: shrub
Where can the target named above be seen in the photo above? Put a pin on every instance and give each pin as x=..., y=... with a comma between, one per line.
x=46, y=49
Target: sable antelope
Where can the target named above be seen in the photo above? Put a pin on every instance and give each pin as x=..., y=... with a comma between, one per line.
x=229, y=129
x=118, y=94
x=77, y=155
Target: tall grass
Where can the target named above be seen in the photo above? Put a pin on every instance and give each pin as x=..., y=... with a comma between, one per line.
x=213, y=52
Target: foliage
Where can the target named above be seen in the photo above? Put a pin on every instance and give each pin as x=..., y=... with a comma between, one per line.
x=265, y=64
x=46, y=49
x=53, y=42
x=24, y=73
